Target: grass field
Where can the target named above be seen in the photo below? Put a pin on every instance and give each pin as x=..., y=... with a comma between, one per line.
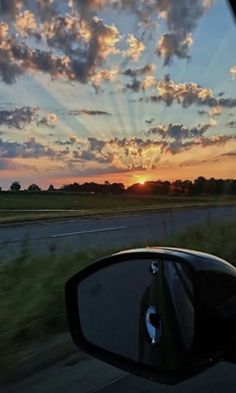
x=80, y=204
x=32, y=288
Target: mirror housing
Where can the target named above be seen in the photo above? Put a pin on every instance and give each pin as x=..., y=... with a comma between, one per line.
x=179, y=338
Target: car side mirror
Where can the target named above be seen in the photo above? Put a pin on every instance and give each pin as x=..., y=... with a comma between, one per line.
x=165, y=314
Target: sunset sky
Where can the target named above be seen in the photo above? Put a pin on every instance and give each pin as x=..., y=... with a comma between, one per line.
x=117, y=90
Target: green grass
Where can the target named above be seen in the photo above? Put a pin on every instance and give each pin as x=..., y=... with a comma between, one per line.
x=91, y=204
x=32, y=288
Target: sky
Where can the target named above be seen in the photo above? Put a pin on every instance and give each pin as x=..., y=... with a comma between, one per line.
x=116, y=90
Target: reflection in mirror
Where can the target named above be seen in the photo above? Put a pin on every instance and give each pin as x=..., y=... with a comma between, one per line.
x=141, y=310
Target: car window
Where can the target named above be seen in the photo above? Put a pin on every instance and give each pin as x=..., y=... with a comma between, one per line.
x=117, y=130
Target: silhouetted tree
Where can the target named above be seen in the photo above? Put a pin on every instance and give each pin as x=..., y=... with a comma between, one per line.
x=34, y=187
x=51, y=188
x=200, y=185
x=15, y=186
x=71, y=187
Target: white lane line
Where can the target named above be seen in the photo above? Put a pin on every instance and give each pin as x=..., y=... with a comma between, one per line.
x=111, y=382
x=91, y=231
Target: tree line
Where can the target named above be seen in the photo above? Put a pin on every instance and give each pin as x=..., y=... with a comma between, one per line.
x=199, y=186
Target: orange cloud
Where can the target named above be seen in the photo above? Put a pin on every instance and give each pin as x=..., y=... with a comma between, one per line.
x=136, y=48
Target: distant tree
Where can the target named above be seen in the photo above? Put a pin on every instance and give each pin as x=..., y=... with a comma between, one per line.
x=15, y=186
x=71, y=187
x=117, y=188
x=233, y=187
x=34, y=187
x=200, y=185
x=51, y=188
x=0, y=188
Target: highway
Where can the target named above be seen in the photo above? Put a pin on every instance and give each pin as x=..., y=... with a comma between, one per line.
x=105, y=233
x=94, y=376
x=89, y=376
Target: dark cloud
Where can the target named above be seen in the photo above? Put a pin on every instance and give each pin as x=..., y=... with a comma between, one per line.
x=84, y=44
x=96, y=144
x=135, y=86
x=179, y=131
x=202, y=112
x=229, y=154
x=28, y=149
x=178, y=146
x=149, y=121
x=18, y=117
x=172, y=44
x=70, y=142
x=88, y=112
x=73, y=29
x=231, y=124
x=181, y=18
x=10, y=7
x=134, y=153
x=147, y=69
x=187, y=94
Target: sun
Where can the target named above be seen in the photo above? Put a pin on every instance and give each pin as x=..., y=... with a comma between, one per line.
x=142, y=181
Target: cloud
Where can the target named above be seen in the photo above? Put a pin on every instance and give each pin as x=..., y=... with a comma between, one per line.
x=70, y=40
x=10, y=7
x=179, y=131
x=49, y=120
x=18, y=117
x=203, y=112
x=104, y=75
x=136, y=48
x=178, y=146
x=135, y=72
x=70, y=142
x=189, y=93
x=71, y=34
x=137, y=85
x=181, y=18
x=149, y=121
x=135, y=153
x=4, y=29
x=231, y=124
x=172, y=44
x=126, y=153
x=26, y=23
x=229, y=154
x=29, y=149
x=84, y=45
x=21, y=117
x=89, y=112
x=233, y=71
x=8, y=164
x=216, y=111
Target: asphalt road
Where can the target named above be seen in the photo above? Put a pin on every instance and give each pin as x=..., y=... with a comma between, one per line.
x=94, y=376
x=88, y=376
x=106, y=232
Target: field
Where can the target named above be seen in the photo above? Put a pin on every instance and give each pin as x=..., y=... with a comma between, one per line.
x=23, y=206
x=32, y=288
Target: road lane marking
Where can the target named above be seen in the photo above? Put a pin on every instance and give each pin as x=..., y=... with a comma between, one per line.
x=90, y=231
x=111, y=382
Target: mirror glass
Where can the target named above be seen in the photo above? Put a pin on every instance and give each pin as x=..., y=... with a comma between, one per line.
x=141, y=310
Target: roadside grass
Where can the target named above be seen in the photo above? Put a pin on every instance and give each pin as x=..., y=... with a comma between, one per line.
x=81, y=204
x=32, y=306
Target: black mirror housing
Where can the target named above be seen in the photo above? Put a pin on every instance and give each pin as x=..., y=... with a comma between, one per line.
x=165, y=314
